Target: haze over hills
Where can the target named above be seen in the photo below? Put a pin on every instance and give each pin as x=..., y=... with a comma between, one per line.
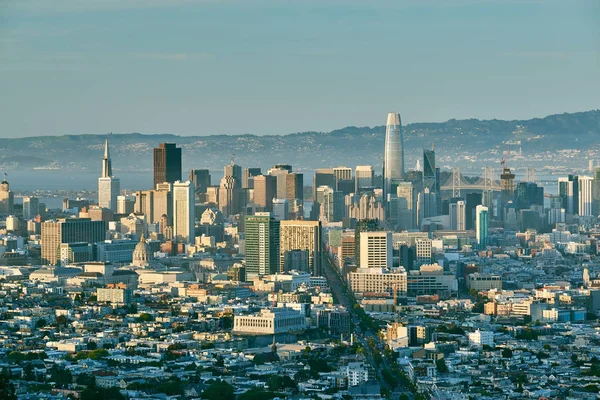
x=470, y=144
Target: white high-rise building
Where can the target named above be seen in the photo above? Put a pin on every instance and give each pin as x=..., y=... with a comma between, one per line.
x=376, y=250
x=183, y=211
x=393, y=158
x=363, y=177
x=280, y=209
x=585, y=195
x=458, y=216
x=108, y=186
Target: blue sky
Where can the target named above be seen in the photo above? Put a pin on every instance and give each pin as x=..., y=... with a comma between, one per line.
x=275, y=66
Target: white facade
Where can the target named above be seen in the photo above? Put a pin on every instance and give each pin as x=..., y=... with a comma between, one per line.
x=378, y=280
x=108, y=191
x=269, y=321
x=183, y=212
x=585, y=195
x=424, y=250
x=481, y=338
x=356, y=373
x=376, y=250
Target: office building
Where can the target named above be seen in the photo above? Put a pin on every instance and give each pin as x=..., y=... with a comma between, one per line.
x=568, y=190
x=378, y=280
x=405, y=206
x=229, y=191
x=393, y=158
x=365, y=225
x=280, y=209
x=424, y=251
x=323, y=177
x=109, y=187
x=125, y=205
x=481, y=226
x=262, y=245
x=167, y=163
x=596, y=192
x=31, y=207
x=294, y=187
x=472, y=201
x=331, y=204
x=457, y=214
x=72, y=230
x=431, y=279
x=376, y=250
x=429, y=170
x=265, y=190
x=115, y=251
x=115, y=293
x=183, y=212
x=201, y=180
x=302, y=235
x=585, y=195
x=7, y=198
x=269, y=322
x=363, y=177
x=342, y=173
x=248, y=177
x=280, y=171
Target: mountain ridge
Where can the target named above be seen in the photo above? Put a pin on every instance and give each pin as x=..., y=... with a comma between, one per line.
x=462, y=142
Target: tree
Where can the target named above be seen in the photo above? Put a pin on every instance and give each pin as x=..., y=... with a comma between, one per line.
x=256, y=394
x=40, y=323
x=441, y=366
x=62, y=320
x=219, y=390
x=7, y=389
x=145, y=317
x=507, y=353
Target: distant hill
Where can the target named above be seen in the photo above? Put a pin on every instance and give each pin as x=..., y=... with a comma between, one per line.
x=469, y=143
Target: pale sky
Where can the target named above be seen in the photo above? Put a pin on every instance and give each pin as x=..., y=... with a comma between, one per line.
x=275, y=66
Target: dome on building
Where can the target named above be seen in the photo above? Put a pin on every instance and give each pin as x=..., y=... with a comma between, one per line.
x=141, y=254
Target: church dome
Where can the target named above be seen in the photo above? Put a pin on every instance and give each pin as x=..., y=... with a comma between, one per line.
x=141, y=254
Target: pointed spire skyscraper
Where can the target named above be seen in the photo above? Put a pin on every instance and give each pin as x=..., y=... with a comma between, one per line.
x=108, y=186
x=106, y=164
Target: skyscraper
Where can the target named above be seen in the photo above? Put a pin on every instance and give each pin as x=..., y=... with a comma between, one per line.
x=568, y=190
x=262, y=245
x=429, y=170
x=364, y=175
x=280, y=171
x=183, y=212
x=481, y=226
x=72, y=230
x=596, y=192
x=108, y=186
x=248, y=177
x=201, y=180
x=265, y=190
x=585, y=195
x=31, y=207
x=323, y=177
x=302, y=235
x=457, y=215
x=406, y=206
x=167, y=163
x=393, y=158
x=229, y=191
x=7, y=198
x=376, y=250
x=331, y=204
